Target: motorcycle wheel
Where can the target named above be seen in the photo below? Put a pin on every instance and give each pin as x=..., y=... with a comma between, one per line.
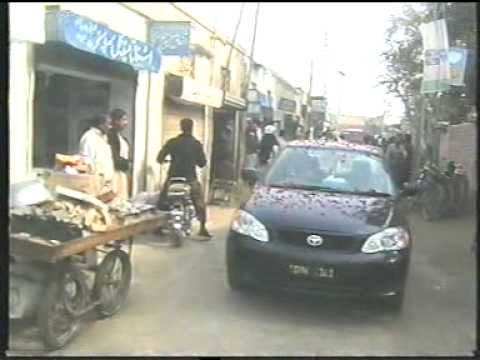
x=177, y=238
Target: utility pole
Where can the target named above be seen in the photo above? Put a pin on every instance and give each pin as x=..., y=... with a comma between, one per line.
x=247, y=86
x=227, y=70
x=226, y=86
x=252, y=47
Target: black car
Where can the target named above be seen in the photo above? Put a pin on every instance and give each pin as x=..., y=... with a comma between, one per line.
x=323, y=218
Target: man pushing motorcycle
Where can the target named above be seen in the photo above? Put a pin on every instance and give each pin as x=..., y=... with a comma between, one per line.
x=186, y=154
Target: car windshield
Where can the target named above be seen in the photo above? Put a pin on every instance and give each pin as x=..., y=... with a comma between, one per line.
x=330, y=170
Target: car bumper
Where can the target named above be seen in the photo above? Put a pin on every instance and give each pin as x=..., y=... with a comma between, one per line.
x=266, y=265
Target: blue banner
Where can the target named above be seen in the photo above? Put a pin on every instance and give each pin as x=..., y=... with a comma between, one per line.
x=457, y=58
x=172, y=38
x=89, y=36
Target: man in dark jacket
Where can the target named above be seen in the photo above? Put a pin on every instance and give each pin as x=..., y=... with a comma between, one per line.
x=120, y=152
x=186, y=154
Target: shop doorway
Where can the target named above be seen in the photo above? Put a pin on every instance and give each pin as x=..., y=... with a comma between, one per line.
x=71, y=86
x=223, y=167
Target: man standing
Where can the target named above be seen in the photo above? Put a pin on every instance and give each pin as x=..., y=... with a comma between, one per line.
x=267, y=145
x=95, y=147
x=120, y=152
x=395, y=158
x=186, y=154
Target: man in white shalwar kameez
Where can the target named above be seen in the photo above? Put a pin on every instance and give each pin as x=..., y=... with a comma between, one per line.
x=95, y=147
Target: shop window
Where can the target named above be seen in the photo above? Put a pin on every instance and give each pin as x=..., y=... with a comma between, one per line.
x=62, y=108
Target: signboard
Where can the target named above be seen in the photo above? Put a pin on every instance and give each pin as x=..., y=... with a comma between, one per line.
x=87, y=35
x=287, y=105
x=171, y=37
x=319, y=105
x=436, y=69
x=181, y=67
x=457, y=58
x=196, y=92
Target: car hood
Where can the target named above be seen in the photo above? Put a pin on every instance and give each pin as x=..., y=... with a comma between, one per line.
x=314, y=210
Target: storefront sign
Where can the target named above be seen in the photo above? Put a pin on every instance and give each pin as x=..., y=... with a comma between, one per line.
x=287, y=105
x=89, y=36
x=171, y=37
x=181, y=67
x=196, y=92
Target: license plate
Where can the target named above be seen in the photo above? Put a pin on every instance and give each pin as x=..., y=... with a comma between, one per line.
x=311, y=271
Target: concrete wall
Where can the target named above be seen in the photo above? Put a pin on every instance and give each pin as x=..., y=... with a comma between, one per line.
x=460, y=144
x=20, y=105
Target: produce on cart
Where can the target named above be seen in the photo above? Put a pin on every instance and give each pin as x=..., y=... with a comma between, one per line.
x=69, y=255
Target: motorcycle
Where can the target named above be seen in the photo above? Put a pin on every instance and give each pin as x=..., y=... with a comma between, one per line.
x=443, y=193
x=181, y=209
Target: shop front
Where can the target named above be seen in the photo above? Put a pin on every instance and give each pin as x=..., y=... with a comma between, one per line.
x=289, y=122
x=187, y=98
x=226, y=150
x=83, y=69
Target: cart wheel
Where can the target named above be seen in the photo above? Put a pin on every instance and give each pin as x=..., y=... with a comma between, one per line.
x=112, y=282
x=57, y=326
x=75, y=291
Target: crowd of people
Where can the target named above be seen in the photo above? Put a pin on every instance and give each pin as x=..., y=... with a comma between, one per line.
x=261, y=145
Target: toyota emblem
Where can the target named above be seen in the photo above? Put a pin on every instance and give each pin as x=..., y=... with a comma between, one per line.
x=314, y=240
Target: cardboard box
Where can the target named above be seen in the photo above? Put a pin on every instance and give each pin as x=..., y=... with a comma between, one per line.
x=88, y=184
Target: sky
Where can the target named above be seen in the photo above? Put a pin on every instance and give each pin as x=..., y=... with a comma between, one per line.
x=291, y=35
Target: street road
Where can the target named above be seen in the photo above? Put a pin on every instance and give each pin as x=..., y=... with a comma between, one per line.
x=180, y=304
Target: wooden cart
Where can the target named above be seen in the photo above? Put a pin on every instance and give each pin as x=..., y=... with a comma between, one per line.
x=67, y=294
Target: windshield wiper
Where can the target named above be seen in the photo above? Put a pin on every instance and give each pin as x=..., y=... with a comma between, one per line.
x=372, y=193
x=303, y=187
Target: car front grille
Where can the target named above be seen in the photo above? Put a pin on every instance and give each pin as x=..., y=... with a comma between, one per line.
x=330, y=242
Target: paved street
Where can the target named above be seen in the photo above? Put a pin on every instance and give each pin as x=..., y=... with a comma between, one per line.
x=180, y=304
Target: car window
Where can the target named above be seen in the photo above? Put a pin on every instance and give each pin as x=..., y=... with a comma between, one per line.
x=334, y=170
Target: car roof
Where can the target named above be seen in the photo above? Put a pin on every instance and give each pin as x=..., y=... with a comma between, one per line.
x=336, y=145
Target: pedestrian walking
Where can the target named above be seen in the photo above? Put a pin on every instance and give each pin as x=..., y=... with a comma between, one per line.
x=121, y=153
x=395, y=159
x=186, y=154
x=266, y=148
x=409, y=158
x=251, y=145
x=281, y=139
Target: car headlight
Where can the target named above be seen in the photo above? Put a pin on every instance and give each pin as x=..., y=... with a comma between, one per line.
x=395, y=238
x=246, y=224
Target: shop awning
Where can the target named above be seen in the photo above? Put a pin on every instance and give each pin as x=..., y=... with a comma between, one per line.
x=235, y=102
x=89, y=36
x=188, y=90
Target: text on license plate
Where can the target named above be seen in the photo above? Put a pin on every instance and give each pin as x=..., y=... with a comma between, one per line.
x=316, y=272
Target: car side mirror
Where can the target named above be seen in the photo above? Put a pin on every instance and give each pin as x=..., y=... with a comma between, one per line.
x=409, y=189
x=250, y=176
